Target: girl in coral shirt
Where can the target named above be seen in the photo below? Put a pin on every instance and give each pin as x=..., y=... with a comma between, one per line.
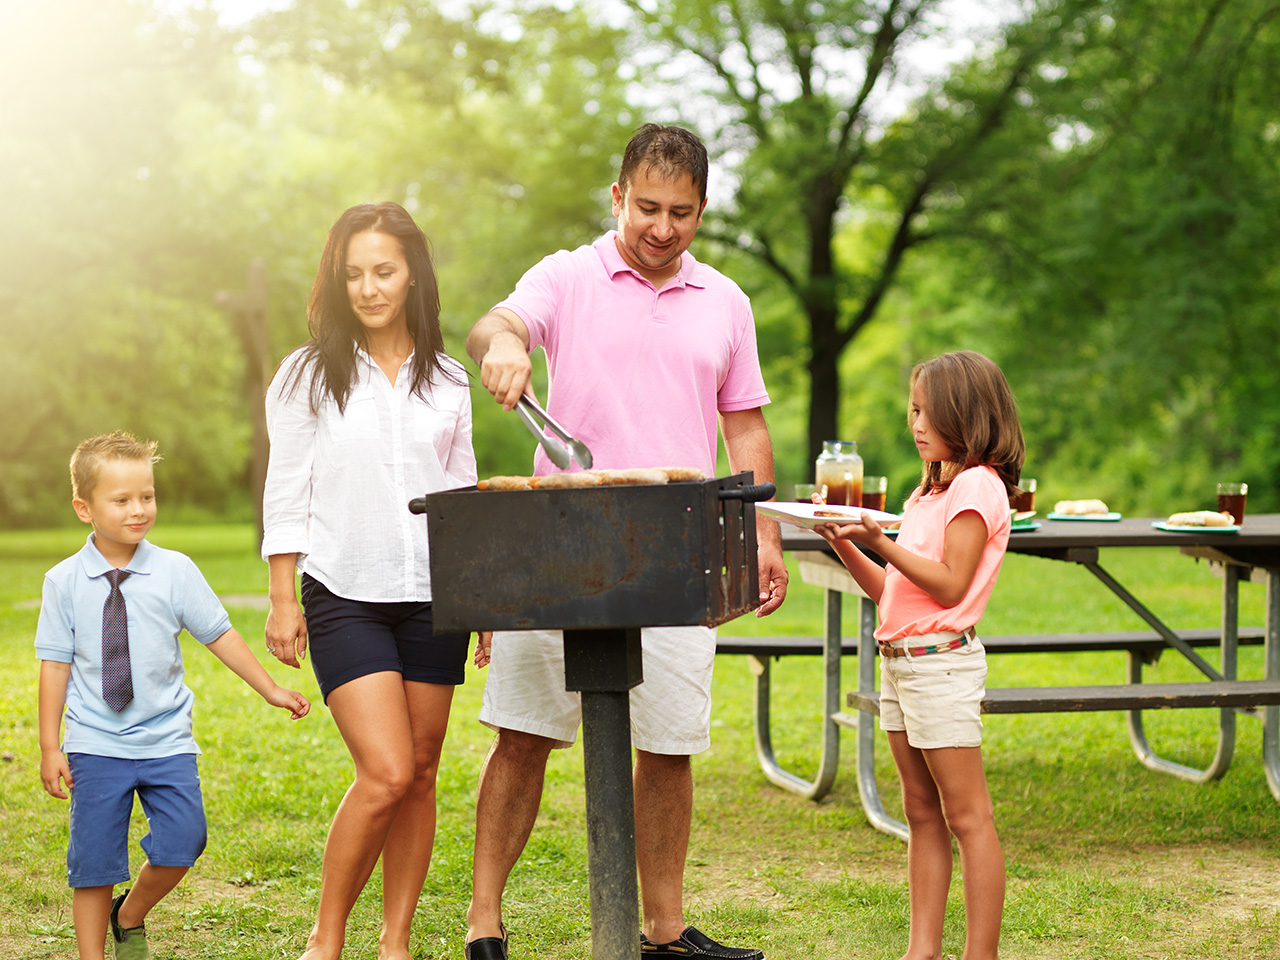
x=934, y=589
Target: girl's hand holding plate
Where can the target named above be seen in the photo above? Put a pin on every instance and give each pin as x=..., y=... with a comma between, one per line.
x=864, y=530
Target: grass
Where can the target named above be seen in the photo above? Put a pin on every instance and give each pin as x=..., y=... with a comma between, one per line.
x=1106, y=859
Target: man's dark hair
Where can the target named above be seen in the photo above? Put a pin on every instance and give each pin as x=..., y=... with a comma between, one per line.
x=669, y=151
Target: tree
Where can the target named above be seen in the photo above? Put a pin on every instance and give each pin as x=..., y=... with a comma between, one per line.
x=800, y=87
x=1138, y=264
x=97, y=333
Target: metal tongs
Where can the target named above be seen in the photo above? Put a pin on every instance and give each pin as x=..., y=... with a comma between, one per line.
x=560, y=454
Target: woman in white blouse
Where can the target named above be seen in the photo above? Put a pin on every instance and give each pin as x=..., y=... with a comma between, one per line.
x=366, y=415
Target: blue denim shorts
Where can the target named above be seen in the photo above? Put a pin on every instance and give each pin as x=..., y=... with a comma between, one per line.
x=102, y=802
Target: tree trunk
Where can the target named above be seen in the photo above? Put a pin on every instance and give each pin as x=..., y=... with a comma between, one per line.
x=247, y=312
x=824, y=315
x=824, y=383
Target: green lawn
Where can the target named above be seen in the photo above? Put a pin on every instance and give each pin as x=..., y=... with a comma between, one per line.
x=1106, y=859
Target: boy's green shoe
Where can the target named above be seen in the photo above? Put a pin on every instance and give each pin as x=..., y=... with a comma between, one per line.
x=129, y=944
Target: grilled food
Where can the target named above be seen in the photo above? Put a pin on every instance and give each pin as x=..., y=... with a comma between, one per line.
x=610, y=478
x=504, y=483
x=1201, y=518
x=1081, y=508
x=561, y=481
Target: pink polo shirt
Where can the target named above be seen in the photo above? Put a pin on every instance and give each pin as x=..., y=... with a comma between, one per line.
x=639, y=374
x=905, y=609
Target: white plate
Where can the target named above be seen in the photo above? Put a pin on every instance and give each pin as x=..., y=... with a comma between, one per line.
x=802, y=514
x=1112, y=516
x=1161, y=525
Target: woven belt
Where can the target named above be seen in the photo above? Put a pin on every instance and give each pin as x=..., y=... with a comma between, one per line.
x=889, y=650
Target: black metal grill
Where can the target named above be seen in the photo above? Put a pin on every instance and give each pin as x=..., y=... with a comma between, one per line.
x=615, y=556
x=598, y=563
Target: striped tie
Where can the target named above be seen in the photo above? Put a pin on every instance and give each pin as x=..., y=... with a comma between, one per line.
x=117, y=676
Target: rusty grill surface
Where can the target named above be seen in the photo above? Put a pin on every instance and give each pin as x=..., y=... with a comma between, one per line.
x=619, y=556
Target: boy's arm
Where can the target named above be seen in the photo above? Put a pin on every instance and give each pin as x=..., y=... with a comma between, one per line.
x=54, y=770
x=231, y=649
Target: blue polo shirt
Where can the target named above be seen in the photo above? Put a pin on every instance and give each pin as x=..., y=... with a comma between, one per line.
x=164, y=594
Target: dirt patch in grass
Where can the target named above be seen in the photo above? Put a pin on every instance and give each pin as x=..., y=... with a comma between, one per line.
x=1246, y=884
x=1217, y=889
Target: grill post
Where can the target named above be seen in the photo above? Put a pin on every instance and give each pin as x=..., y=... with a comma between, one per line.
x=597, y=563
x=603, y=665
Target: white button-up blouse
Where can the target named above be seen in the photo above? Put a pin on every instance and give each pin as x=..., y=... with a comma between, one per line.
x=338, y=485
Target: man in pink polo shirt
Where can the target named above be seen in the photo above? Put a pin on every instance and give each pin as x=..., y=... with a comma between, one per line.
x=649, y=351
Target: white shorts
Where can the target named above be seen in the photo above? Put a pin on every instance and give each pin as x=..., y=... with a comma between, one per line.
x=670, y=710
x=937, y=697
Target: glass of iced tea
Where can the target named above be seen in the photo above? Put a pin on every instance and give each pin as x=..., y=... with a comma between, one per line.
x=1231, y=497
x=873, y=492
x=805, y=491
x=1026, y=500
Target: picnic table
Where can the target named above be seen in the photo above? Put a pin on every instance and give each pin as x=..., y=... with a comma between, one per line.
x=1250, y=555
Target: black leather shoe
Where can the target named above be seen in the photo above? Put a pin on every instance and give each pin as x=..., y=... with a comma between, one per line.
x=487, y=948
x=694, y=943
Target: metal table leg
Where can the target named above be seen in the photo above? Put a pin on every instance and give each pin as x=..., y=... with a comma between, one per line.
x=1170, y=637
x=1271, y=657
x=830, y=757
x=868, y=791
x=1227, y=715
x=830, y=574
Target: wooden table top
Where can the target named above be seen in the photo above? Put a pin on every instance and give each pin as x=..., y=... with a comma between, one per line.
x=1257, y=543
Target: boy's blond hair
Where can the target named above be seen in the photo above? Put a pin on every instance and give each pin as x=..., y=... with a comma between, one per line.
x=87, y=461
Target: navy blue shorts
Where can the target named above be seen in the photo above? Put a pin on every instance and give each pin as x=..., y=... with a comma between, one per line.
x=354, y=638
x=102, y=802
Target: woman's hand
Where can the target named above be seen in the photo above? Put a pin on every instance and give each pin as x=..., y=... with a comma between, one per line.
x=287, y=632
x=484, y=642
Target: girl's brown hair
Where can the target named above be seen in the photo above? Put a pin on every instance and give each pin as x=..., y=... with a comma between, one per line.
x=973, y=411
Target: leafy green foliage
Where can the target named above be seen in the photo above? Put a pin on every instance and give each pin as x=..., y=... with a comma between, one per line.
x=1124, y=259
x=1089, y=198
x=833, y=193
x=155, y=156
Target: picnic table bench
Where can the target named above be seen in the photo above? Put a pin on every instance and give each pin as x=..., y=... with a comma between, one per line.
x=1147, y=644
x=1253, y=554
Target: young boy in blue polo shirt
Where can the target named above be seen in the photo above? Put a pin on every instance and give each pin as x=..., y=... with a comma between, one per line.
x=107, y=639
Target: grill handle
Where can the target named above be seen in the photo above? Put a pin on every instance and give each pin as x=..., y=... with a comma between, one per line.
x=418, y=505
x=751, y=492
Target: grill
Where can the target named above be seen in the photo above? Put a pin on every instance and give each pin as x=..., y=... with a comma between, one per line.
x=670, y=554
x=598, y=563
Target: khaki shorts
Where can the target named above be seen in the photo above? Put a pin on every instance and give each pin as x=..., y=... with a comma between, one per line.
x=670, y=710
x=935, y=698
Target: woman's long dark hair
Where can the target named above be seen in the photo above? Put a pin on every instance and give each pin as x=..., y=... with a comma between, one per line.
x=335, y=327
x=973, y=411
